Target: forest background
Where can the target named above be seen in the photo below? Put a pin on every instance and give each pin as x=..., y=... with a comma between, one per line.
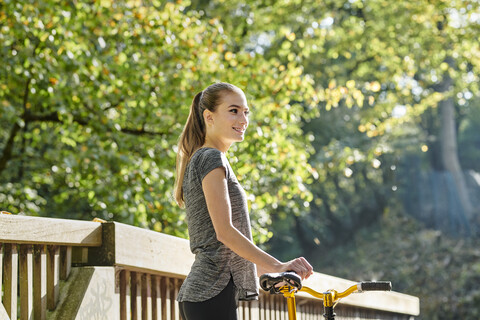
x=363, y=145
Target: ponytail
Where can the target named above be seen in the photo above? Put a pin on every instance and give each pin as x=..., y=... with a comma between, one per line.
x=191, y=139
x=193, y=134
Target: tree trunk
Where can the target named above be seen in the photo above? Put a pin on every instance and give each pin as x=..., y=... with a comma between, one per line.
x=449, y=151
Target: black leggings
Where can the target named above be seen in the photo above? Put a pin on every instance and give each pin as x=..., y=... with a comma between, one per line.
x=221, y=307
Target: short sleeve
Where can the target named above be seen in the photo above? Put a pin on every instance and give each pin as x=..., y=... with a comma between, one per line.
x=210, y=159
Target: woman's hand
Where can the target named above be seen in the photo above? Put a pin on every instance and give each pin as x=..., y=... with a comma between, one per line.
x=300, y=266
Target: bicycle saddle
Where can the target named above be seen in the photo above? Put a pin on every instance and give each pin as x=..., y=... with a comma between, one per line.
x=269, y=281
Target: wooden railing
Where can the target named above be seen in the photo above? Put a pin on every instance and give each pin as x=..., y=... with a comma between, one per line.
x=67, y=269
x=35, y=254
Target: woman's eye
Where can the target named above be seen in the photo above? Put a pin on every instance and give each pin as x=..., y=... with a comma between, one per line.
x=234, y=111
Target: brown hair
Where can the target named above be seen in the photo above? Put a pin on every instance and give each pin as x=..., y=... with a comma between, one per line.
x=193, y=134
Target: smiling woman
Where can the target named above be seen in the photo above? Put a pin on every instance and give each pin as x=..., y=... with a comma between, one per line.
x=226, y=259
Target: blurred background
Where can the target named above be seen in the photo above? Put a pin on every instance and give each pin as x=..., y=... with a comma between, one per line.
x=363, y=145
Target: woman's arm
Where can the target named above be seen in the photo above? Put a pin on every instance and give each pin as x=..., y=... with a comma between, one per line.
x=218, y=202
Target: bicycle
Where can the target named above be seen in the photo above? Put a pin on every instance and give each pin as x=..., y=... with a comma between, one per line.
x=289, y=283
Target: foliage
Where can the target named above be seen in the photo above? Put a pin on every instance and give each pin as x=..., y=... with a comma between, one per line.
x=94, y=96
x=440, y=270
x=380, y=69
x=356, y=180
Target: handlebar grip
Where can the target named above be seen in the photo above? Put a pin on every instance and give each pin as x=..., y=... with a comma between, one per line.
x=269, y=281
x=375, y=286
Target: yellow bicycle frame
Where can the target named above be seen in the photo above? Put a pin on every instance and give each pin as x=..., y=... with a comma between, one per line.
x=330, y=297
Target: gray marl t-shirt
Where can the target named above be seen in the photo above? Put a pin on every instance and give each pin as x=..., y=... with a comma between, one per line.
x=214, y=263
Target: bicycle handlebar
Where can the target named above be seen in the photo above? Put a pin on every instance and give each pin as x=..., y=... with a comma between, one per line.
x=277, y=282
x=289, y=283
x=375, y=286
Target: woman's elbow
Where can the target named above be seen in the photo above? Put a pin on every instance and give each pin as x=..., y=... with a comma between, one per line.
x=222, y=238
x=224, y=235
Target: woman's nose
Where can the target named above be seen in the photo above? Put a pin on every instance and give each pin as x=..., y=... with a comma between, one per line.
x=244, y=119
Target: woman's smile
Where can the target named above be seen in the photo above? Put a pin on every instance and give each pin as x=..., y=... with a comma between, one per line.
x=240, y=130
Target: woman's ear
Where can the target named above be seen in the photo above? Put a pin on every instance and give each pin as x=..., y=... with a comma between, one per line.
x=208, y=116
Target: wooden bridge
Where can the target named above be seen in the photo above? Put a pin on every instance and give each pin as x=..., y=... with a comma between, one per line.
x=68, y=269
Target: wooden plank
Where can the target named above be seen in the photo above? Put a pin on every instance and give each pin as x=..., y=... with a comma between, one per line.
x=178, y=284
x=139, y=295
x=243, y=307
x=151, y=250
x=3, y=313
x=264, y=306
x=80, y=255
x=254, y=310
x=53, y=276
x=136, y=295
x=143, y=296
x=10, y=280
x=173, y=296
x=65, y=262
x=39, y=282
x=250, y=305
x=123, y=294
x=1, y=272
x=275, y=307
x=133, y=295
x=241, y=310
x=163, y=296
x=155, y=297
x=26, y=281
x=129, y=295
x=34, y=230
x=146, y=297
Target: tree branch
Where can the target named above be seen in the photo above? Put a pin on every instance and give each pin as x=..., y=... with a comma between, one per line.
x=7, y=151
x=28, y=117
x=54, y=117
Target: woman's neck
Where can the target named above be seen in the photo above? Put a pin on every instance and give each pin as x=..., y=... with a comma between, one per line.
x=216, y=145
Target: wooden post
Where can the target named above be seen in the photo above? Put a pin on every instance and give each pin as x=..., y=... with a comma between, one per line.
x=39, y=282
x=26, y=282
x=65, y=262
x=163, y=296
x=241, y=310
x=138, y=297
x=172, y=296
x=143, y=294
x=3, y=312
x=53, y=276
x=155, y=298
x=1, y=272
x=10, y=279
x=133, y=295
x=80, y=255
x=123, y=294
x=146, y=297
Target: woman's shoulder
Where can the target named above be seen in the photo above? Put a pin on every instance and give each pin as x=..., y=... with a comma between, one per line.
x=206, y=159
x=203, y=154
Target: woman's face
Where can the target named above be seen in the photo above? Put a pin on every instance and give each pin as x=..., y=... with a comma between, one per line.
x=229, y=121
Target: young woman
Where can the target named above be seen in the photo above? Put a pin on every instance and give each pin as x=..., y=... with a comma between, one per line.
x=224, y=270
